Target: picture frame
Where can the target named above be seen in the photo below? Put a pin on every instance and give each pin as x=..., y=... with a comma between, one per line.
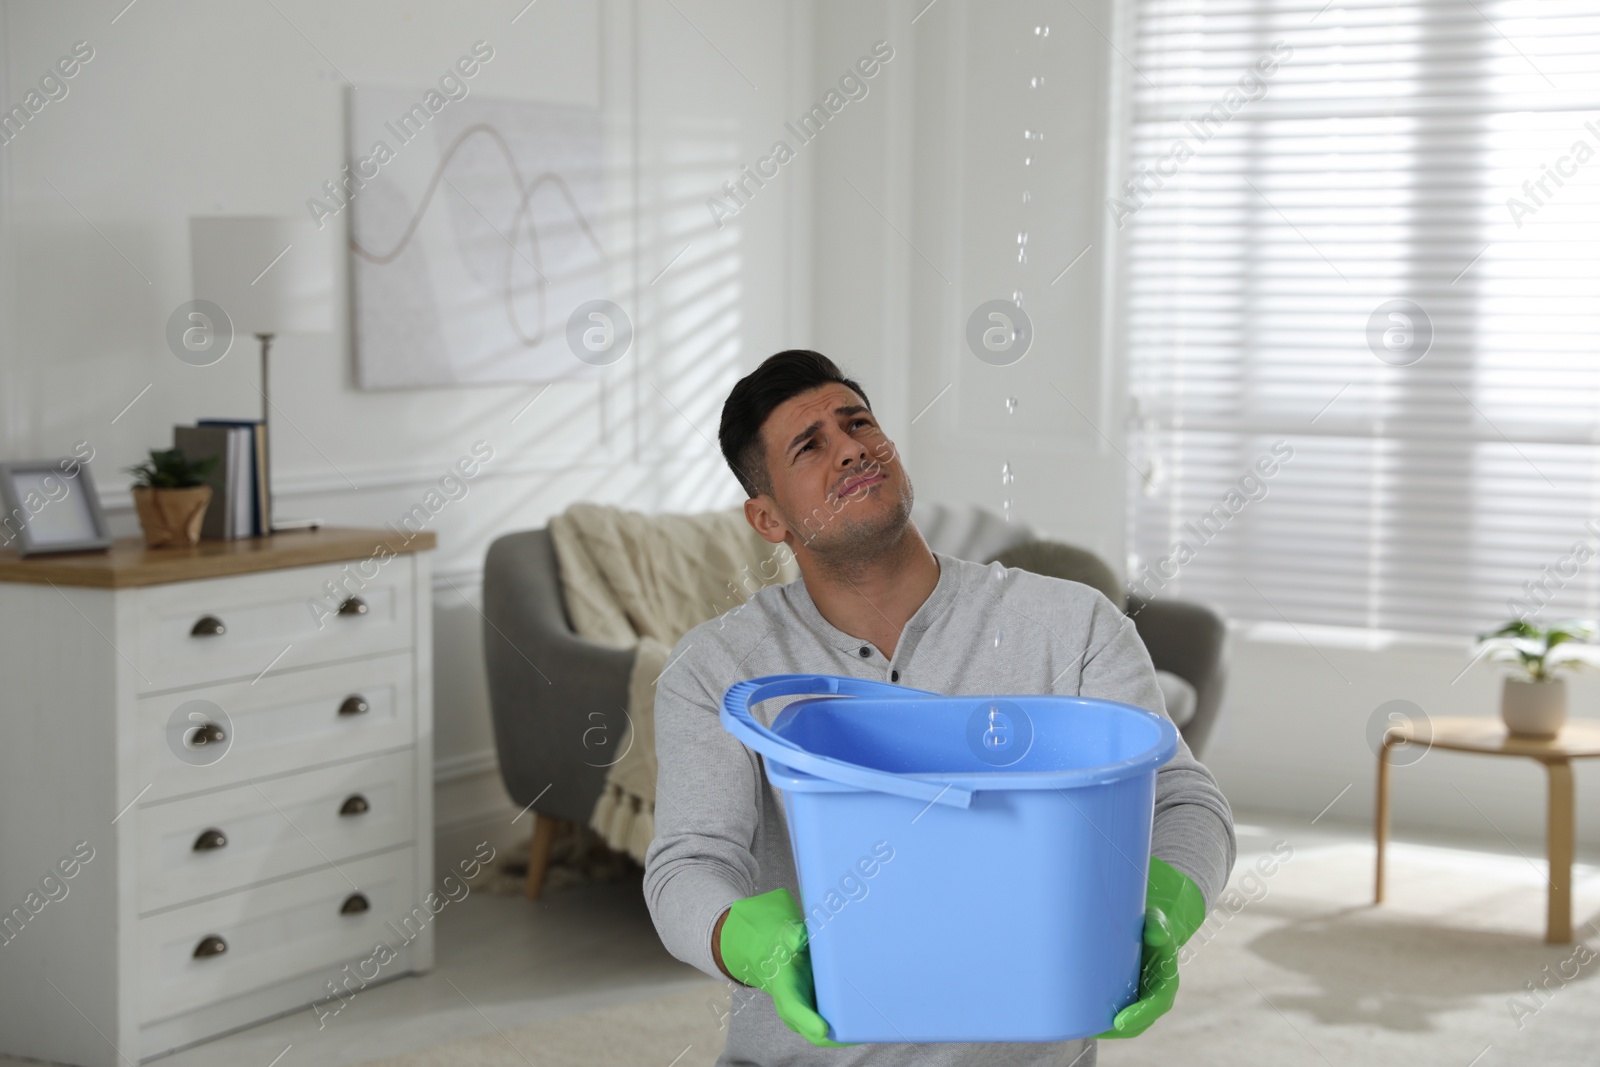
x=51, y=506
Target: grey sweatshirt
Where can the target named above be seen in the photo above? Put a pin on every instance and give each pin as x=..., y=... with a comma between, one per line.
x=721, y=831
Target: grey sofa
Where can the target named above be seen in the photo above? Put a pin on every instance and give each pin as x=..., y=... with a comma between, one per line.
x=559, y=701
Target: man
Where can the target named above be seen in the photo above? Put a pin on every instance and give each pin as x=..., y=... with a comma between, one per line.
x=825, y=483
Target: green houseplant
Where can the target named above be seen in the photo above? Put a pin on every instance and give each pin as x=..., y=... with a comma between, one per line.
x=1534, y=700
x=171, y=496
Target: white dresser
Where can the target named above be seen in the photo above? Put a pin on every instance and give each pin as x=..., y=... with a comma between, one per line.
x=215, y=786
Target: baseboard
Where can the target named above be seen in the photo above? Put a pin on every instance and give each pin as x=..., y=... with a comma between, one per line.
x=465, y=765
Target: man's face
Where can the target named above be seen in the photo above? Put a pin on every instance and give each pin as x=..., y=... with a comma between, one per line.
x=838, y=488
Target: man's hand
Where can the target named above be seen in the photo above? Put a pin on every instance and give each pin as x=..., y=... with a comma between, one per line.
x=1174, y=910
x=761, y=941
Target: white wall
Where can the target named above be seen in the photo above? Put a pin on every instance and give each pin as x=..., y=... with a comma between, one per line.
x=194, y=107
x=918, y=211
x=1294, y=735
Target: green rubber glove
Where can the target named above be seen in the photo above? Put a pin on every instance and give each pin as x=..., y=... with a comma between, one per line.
x=763, y=944
x=1173, y=911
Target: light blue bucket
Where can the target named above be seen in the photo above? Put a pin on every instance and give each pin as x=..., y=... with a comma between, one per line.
x=971, y=868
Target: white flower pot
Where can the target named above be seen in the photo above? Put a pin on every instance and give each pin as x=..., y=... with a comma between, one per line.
x=1534, y=709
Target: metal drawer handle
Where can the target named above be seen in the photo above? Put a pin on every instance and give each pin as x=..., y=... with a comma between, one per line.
x=210, y=945
x=354, y=705
x=353, y=605
x=208, y=626
x=355, y=804
x=355, y=904
x=208, y=733
x=210, y=839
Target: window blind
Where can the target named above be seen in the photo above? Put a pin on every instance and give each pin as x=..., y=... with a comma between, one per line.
x=1361, y=251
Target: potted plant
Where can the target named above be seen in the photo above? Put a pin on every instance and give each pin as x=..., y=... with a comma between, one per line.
x=171, y=495
x=1534, y=701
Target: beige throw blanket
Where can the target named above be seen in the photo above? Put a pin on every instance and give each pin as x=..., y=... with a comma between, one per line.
x=643, y=581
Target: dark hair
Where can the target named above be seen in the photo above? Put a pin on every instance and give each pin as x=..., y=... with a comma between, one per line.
x=779, y=378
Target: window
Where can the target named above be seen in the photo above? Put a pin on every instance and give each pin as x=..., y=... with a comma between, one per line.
x=1366, y=236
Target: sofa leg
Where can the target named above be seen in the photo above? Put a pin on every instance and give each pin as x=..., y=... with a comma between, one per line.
x=544, y=835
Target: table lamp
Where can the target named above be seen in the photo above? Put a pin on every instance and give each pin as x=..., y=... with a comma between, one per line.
x=270, y=275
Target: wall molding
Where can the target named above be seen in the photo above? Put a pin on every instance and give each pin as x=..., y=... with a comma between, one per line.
x=485, y=817
x=465, y=765
x=470, y=576
x=412, y=475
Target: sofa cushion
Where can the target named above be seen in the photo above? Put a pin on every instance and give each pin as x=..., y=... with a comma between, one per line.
x=1057, y=560
x=966, y=531
x=1179, y=695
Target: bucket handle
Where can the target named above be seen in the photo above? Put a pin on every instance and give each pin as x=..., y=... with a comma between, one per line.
x=738, y=721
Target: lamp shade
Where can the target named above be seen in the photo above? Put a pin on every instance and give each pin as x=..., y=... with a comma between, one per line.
x=271, y=275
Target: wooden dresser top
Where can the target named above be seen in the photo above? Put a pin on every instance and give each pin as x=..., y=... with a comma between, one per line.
x=130, y=563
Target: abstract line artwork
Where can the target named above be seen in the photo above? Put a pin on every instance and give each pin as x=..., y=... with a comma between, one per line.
x=474, y=233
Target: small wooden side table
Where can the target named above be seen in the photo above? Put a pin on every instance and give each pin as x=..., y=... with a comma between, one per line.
x=1487, y=736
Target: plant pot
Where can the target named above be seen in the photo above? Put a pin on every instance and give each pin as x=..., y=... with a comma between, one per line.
x=1534, y=709
x=171, y=517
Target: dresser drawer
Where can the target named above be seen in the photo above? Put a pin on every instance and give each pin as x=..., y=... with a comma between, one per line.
x=216, y=842
x=271, y=933
x=191, y=633
x=284, y=722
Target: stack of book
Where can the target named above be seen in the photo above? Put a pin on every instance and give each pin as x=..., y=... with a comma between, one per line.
x=239, y=506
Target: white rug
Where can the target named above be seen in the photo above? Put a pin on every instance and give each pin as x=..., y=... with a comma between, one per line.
x=1306, y=972
x=1311, y=973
